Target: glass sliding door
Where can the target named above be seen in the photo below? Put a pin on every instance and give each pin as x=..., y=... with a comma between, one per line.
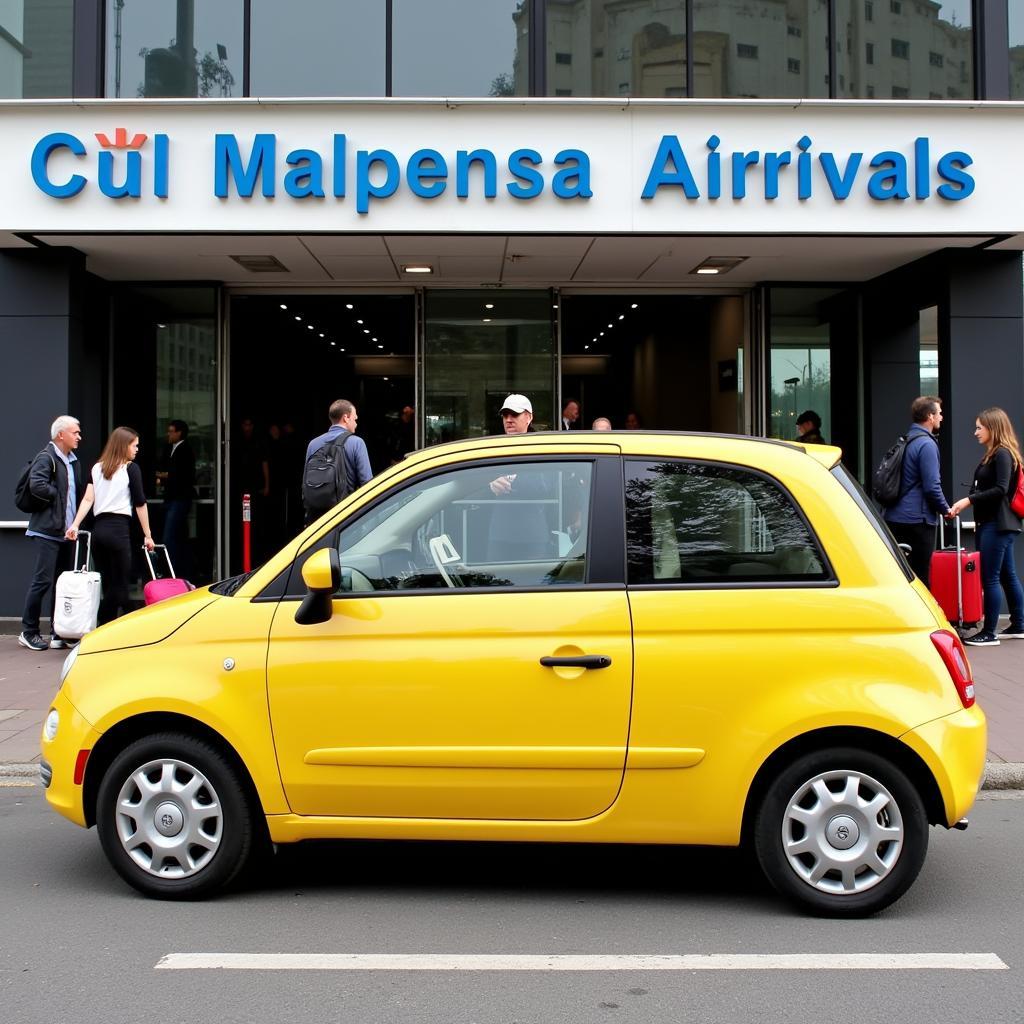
x=477, y=348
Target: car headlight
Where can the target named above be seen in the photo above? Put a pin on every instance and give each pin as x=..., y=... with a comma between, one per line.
x=68, y=663
x=51, y=725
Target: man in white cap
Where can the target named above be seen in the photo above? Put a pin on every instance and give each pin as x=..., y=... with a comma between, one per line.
x=516, y=414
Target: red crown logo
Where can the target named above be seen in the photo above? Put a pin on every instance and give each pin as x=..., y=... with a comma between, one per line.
x=121, y=140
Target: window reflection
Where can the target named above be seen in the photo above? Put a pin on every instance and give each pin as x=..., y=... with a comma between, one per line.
x=157, y=48
x=700, y=523
x=318, y=48
x=607, y=48
x=1016, y=20
x=904, y=49
x=460, y=48
x=35, y=48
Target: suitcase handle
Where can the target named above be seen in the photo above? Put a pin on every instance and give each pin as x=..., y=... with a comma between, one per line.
x=959, y=574
x=88, y=550
x=149, y=559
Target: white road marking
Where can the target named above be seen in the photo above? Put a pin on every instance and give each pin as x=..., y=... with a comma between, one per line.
x=581, y=962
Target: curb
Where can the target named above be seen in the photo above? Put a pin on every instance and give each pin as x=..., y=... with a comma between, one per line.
x=998, y=774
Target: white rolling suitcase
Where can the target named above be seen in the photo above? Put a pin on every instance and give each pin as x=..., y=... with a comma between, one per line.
x=76, y=601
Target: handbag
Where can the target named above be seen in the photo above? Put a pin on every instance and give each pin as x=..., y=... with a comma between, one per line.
x=1017, y=501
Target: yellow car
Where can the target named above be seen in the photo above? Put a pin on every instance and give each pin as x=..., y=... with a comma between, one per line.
x=628, y=638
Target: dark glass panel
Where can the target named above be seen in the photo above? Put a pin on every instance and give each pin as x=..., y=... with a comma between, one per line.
x=35, y=48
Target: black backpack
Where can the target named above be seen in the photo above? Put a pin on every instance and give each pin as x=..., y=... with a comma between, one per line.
x=24, y=499
x=325, y=478
x=887, y=480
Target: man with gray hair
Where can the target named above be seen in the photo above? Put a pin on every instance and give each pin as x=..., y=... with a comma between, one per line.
x=55, y=492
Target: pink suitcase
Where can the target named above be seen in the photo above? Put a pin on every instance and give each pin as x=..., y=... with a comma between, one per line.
x=165, y=587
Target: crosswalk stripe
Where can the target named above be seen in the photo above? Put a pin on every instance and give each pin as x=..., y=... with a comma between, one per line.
x=581, y=962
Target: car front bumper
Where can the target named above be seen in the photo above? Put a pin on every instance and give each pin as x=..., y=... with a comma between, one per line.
x=60, y=755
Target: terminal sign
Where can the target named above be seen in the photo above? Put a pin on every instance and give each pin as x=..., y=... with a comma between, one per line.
x=133, y=166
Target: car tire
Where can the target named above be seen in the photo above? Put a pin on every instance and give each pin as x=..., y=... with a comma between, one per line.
x=842, y=832
x=173, y=817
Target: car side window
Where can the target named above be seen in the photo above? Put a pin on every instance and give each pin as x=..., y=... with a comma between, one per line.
x=689, y=522
x=501, y=524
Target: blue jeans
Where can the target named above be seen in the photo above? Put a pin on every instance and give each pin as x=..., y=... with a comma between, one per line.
x=997, y=567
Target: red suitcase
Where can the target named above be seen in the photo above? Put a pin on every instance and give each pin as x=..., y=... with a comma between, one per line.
x=956, y=581
x=161, y=589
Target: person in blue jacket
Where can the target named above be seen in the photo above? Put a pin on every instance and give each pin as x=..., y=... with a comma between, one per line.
x=915, y=513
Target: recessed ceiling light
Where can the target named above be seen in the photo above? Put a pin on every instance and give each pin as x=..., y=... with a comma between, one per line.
x=488, y=305
x=555, y=306
x=333, y=343
x=385, y=378
x=380, y=346
x=374, y=339
x=622, y=316
x=340, y=349
x=487, y=320
x=322, y=336
x=359, y=321
x=586, y=346
x=298, y=318
x=348, y=305
x=611, y=325
x=633, y=306
x=162, y=326
x=283, y=306
x=601, y=334
x=417, y=268
x=718, y=264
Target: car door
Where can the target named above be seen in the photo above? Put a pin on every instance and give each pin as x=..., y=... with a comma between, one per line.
x=425, y=694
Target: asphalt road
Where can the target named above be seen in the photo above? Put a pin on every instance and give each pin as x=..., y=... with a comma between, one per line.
x=77, y=946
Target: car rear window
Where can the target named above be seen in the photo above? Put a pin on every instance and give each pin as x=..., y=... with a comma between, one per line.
x=867, y=506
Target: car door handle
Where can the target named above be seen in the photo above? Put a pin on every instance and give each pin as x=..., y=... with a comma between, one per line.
x=580, y=661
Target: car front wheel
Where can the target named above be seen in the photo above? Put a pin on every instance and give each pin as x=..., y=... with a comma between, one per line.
x=173, y=818
x=841, y=832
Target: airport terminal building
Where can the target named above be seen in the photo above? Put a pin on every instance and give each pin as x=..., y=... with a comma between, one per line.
x=713, y=214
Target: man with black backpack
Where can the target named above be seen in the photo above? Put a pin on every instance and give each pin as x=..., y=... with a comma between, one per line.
x=913, y=512
x=50, y=491
x=336, y=462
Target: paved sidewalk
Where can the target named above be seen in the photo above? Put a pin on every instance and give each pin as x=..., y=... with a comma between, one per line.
x=28, y=681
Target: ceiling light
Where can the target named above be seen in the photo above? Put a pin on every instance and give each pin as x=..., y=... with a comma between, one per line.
x=622, y=316
x=348, y=305
x=359, y=321
x=333, y=343
x=283, y=306
x=374, y=339
x=487, y=320
x=385, y=378
x=366, y=330
x=488, y=305
x=718, y=264
x=260, y=264
x=417, y=268
x=380, y=346
x=322, y=336
x=611, y=325
x=555, y=306
x=633, y=306
x=162, y=326
x=298, y=318
x=340, y=350
x=586, y=346
x=309, y=327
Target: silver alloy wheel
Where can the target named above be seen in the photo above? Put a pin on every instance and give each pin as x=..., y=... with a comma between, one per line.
x=842, y=832
x=169, y=818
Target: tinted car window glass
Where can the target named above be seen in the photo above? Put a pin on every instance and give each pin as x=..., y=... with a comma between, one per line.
x=702, y=523
x=505, y=524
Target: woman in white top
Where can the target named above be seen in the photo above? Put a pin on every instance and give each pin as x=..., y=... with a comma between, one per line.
x=115, y=490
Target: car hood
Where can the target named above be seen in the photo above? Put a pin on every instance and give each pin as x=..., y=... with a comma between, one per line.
x=148, y=625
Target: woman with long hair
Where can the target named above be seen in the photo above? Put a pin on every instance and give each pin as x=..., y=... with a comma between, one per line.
x=996, y=524
x=115, y=489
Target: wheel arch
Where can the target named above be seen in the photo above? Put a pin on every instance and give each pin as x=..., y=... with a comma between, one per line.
x=127, y=731
x=868, y=740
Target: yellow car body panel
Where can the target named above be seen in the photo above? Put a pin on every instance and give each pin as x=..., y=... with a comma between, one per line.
x=428, y=714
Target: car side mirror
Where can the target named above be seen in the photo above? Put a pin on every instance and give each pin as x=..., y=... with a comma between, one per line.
x=322, y=575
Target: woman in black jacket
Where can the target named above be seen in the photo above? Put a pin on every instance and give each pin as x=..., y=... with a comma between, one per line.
x=997, y=526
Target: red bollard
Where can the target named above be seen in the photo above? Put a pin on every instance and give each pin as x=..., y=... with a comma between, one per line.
x=246, y=533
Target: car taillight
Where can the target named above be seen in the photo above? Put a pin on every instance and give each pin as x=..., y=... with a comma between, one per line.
x=953, y=654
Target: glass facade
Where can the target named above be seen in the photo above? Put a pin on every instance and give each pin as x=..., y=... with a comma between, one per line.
x=607, y=48
x=165, y=367
x=800, y=360
x=883, y=49
x=459, y=48
x=319, y=48
x=1015, y=14
x=156, y=48
x=904, y=49
x=478, y=348
x=760, y=50
x=36, y=39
